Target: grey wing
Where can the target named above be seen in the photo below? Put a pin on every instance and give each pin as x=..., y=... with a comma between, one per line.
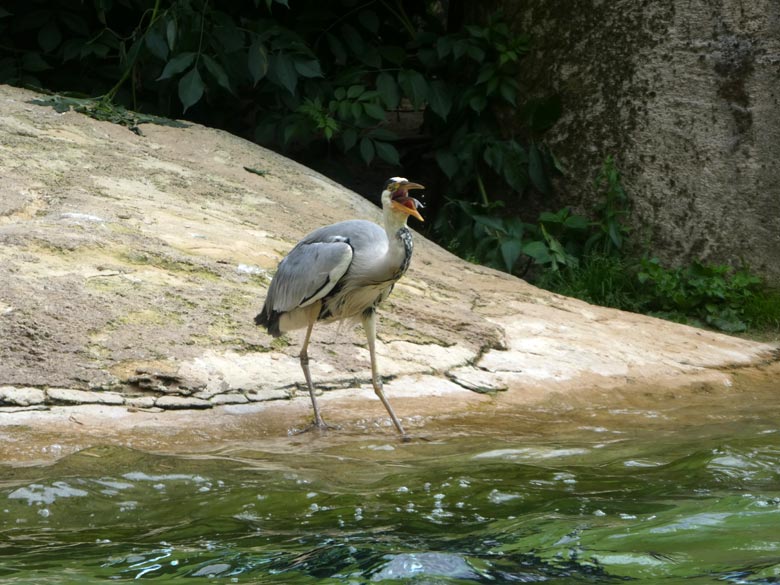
x=308, y=273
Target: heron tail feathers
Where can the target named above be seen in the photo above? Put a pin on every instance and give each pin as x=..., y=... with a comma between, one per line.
x=269, y=320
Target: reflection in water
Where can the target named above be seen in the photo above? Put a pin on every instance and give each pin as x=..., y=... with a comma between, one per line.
x=578, y=501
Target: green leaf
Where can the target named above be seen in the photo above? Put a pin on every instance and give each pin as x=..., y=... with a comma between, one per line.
x=71, y=49
x=308, y=67
x=369, y=20
x=448, y=162
x=132, y=54
x=476, y=53
x=218, y=72
x=536, y=170
x=538, y=250
x=282, y=72
x=486, y=73
x=355, y=91
x=257, y=61
x=176, y=65
x=367, y=150
x=344, y=109
x=190, y=88
x=440, y=98
x=443, y=46
x=375, y=111
x=493, y=222
x=478, y=103
x=515, y=227
x=459, y=48
x=156, y=44
x=388, y=90
x=510, y=251
x=349, y=138
x=353, y=39
x=337, y=48
x=414, y=86
x=170, y=33
x=577, y=222
x=508, y=92
x=393, y=54
x=550, y=217
x=494, y=157
x=49, y=37
x=388, y=153
x=371, y=57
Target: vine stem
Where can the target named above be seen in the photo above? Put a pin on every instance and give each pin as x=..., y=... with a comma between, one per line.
x=482, y=191
x=110, y=94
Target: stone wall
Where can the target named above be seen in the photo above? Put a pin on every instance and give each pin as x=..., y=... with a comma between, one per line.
x=685, y=96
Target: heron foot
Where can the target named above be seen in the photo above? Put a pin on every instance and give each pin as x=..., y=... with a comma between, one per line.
x=410, y=438
x=315, y=425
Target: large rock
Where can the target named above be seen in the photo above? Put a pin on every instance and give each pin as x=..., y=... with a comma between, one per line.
x=132, y=267
x=684, y=95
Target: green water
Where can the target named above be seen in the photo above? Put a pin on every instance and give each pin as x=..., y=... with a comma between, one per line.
x=544, y=497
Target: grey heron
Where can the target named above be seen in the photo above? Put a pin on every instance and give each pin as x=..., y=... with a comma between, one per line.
x=344, y=271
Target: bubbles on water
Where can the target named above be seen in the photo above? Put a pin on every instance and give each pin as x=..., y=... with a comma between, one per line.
x=499, y=497
x=36, y=493
x=565, y=477
x=212, y=571
x=128, y=506
x=142, y=476
x=530, y=453
x=411, y=565
x=640, y=463
x=385, y=447
x=694, y=522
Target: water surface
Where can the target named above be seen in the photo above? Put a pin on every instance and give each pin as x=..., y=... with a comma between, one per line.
x=675, y=493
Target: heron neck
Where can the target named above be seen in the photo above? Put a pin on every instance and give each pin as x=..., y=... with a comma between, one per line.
x=399, y=248
x=394, y=221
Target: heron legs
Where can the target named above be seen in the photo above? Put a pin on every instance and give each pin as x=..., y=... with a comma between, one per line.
x=318, y=422
x=369, y=324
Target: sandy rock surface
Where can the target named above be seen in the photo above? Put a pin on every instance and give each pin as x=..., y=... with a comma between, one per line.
x=131, y=268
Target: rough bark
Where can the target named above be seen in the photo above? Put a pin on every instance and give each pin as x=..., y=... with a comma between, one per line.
x=685, y=96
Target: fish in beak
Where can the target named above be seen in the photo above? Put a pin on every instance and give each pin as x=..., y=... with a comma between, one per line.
x=401, y=202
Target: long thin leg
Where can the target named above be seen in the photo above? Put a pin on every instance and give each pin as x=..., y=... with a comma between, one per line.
x=305, y=367
x=369, y=324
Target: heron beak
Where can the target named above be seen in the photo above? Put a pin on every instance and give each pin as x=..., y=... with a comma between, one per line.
x=407, y=205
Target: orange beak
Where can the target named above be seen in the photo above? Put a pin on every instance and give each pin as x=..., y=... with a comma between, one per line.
x=407, y=205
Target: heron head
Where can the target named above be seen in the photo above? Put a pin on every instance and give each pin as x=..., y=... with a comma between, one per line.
x=395, y=196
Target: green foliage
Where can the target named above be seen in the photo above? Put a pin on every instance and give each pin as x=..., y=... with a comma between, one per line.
x=587, y=259
x=316, y=72
x=610, y=230
x=105, y=111
x=606, y=280
x=484, y=234
x=714, y=294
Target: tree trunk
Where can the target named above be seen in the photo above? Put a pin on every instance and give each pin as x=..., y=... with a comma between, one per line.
x=685, y=95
